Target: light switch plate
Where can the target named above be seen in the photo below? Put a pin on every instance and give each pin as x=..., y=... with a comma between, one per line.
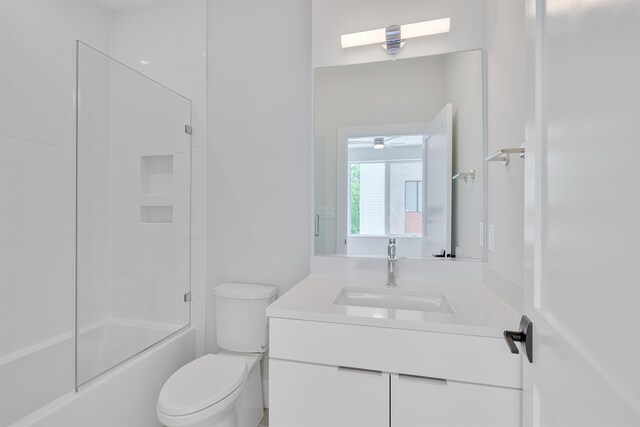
x=492, y=238
x=326, y=212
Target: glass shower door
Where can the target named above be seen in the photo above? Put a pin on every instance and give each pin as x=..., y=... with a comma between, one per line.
x=133, y=213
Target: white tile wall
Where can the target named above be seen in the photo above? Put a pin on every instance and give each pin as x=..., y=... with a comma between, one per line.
x=10, y=297
x=41, y=287
x=171, y=37
x=37, y=146
x=37, y=167
x=93, y=192
x=10, y=81
x=48, y=192
x=146, y=278
x=11, y=13
x=10, y=191
x=93, y=169
x=41, y=92
x=37, y=187
x=93, y=274
x=41, y=21
x=165, y=34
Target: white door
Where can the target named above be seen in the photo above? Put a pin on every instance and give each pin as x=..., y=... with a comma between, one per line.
x=436, y=187
x=582, y=204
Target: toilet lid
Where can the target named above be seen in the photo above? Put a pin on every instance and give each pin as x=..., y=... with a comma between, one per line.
x=201, y=383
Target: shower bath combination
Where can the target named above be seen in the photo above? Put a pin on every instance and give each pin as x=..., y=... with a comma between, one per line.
x=133, y=234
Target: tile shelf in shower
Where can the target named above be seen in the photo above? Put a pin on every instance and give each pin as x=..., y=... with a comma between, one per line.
x=156, y=214
x=156, y=179
x=156, y=174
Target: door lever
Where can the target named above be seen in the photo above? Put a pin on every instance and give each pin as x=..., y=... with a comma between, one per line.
x=512, y=337
x=524, y=336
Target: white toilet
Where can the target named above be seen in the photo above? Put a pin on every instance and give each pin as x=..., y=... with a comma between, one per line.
x=225, y=389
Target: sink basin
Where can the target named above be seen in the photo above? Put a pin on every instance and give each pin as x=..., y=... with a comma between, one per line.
x=394, y=298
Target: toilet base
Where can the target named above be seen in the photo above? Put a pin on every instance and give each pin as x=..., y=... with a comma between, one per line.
x=230, y=420
x=249, y=407
x=243, y=408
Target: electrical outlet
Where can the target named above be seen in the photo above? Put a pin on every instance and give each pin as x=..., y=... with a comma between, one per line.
x=492, y=238
x=481, y=235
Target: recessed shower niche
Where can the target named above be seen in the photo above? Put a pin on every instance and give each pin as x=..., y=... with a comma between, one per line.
x=156, y=214
x=156, y=178
x=156, y=174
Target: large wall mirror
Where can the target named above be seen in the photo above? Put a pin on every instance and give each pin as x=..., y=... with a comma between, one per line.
x=399, y=148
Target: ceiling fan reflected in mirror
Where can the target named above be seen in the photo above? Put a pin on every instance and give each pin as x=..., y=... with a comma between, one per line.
x=380, y=142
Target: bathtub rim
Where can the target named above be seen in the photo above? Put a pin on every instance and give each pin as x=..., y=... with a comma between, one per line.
x=67, y=398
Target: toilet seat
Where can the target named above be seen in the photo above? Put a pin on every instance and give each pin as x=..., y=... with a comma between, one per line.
x=201, y=384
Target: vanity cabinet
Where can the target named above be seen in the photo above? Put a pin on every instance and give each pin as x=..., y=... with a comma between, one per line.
x=330, y=374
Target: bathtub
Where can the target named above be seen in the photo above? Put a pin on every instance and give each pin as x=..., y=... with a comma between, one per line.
x=37, y=383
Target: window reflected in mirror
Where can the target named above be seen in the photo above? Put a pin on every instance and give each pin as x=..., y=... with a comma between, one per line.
x=385, y=187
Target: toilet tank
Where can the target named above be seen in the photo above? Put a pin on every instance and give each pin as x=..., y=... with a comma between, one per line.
x=241, y=319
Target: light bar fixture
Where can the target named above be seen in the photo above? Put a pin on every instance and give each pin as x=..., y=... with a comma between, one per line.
x=393, y=37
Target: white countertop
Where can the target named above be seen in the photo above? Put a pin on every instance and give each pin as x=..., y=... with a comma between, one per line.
x=478, y=311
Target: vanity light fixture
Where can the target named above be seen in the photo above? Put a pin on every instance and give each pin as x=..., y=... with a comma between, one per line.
x=378, y=143
x=393, y=37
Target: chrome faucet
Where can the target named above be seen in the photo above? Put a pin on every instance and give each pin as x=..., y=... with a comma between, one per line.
x=391, y=263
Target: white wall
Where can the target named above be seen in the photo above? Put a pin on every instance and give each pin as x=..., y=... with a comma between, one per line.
x=259, y=143
x=463, y=83
x=37, y=185
x=170, y=38
x=149, y=268
x=506, y=103
x=37, y=152
x=37, y=176
x=93, y=257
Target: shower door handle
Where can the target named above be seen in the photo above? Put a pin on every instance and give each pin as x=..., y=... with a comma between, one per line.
x=317, y=226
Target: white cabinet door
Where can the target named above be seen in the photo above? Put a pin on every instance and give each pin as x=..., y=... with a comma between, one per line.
x=427, y=402
x=304, y=394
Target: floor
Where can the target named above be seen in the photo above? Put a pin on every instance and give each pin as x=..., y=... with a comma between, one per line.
x=265, y=419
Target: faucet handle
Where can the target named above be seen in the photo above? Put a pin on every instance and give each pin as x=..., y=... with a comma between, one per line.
x=391, y=249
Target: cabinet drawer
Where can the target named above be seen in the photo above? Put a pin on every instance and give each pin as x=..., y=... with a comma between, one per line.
x=474, y=359
x=303, y=394
x=433, y=403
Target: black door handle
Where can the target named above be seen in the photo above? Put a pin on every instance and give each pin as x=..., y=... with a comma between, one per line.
x=524, y=336
x=512, y=337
